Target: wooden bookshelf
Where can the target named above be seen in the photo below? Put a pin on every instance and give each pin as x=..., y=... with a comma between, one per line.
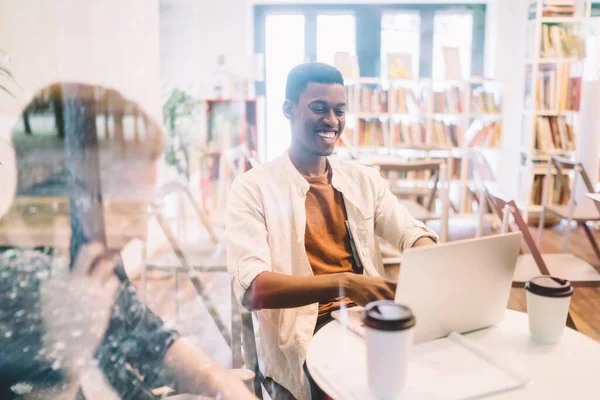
x=229, y=123
x=425, y=118
x=553, y=77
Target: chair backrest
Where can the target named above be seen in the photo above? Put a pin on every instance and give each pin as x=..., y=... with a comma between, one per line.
x=564, y=167
x=504, y=207
x=394, y=164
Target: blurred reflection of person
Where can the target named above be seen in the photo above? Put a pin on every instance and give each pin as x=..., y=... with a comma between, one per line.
x=78, y=329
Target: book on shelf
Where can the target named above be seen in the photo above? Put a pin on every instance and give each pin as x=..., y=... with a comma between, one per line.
x=404, y=101
x=484, y=102
x=559, y=41
x=399, y=66
x=372, y=133
x=558, y=9
x=554, y=133
x=372, y=100
x=446, y=135
x=480, y=134
x=481, y=167
x=405, y=134
x=557, y=90
x=448, y=101
x=350, y=99
x=559, y=193
x=452, y=66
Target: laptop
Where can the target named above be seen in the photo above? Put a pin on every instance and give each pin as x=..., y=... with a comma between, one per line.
x=459, y=286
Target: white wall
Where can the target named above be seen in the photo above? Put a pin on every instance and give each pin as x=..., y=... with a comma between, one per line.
x=113, y=43
x=194, y=33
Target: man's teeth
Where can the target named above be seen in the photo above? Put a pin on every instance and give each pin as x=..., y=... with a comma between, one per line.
x=327, y=135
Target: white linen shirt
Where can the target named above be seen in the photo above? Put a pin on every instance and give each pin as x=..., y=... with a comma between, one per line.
x=265, y=226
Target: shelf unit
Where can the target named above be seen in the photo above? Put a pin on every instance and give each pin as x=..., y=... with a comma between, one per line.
x=230, y=123
x=425, y=118
x=551, y=119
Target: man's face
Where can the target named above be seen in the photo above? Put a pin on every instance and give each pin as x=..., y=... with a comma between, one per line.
x=318, y=118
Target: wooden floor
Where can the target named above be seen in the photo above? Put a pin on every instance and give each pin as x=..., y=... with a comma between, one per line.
x=195, y=322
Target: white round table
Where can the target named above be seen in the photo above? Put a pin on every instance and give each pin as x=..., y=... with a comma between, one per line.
x=567, y=370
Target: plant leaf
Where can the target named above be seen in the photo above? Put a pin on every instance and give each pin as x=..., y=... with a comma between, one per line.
x=8, y=91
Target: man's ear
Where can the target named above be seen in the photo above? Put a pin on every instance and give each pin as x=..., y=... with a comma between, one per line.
x=288, y=108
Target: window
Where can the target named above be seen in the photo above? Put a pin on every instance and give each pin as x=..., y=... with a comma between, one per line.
x=335, y=33
x=289, y=34
x=280, y=57
x=455, y=33
x=401, y=34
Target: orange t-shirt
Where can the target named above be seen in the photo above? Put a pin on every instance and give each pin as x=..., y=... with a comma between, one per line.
x=326, y=239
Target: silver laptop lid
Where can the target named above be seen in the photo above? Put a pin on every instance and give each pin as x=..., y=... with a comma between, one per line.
x=458, y=286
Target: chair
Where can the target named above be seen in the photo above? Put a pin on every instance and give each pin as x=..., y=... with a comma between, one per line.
x=482, y=176
x=563, y=265
x=437, y=169
x=248, y=342
x=588, y=211
x=180, y=261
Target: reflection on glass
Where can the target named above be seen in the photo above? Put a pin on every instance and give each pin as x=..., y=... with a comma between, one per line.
x=335, y=33
x=400, y=34
x=452, y=31
x=284, y=48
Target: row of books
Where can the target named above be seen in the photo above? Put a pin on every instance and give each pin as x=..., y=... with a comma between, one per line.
x=555, y=8
x=559, y=41
x=484, y=135
x=557, y=195
x=447, y=135
x=406, y=101
x=405, y=134
x=448, y=101
x=554, y=133
x=557, y=90
x=372, y=133
x=370, y=100
x=402, y=134
x=483, y=102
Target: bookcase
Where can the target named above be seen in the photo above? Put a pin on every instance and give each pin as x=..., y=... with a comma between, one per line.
x=551, y=121
x=425, y=118
x=230, y=123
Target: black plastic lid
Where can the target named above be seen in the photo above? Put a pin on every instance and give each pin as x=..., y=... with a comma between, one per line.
x=386, y=315
x=548, y=286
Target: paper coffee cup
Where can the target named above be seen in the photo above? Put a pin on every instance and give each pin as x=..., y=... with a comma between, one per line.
x=389, y=331
x=548, y=300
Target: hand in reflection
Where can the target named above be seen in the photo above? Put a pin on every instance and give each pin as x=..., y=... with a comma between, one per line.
x=76, y=308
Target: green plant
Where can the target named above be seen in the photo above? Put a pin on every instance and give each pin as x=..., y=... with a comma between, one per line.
x=181, y=113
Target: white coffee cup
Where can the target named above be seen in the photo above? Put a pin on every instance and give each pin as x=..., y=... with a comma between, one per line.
x=389, y=331
x=548, y=300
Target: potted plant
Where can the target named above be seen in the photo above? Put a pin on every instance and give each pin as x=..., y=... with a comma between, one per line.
x=181, y=113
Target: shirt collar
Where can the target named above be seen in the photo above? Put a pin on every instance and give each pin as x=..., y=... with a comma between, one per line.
x=338, y=179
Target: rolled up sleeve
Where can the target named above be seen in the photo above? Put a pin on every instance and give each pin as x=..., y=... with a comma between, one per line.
x=248, y=252
x=393, y=222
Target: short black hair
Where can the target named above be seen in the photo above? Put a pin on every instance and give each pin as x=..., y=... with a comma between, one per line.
x=314, y=72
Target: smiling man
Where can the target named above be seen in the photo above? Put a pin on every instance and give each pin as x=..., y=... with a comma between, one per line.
x=302, y=230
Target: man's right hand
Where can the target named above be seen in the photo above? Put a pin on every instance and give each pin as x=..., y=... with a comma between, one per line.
x=365, y=289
